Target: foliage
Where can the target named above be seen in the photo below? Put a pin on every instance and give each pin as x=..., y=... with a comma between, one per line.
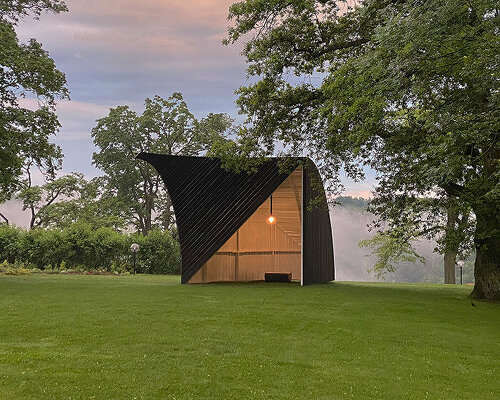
x=410, y=89
x=89, y=204
x=167, y=127
x=39, y=199
x=13, y=269
x=391, y=247
x=27, y=71
x=68, y=199
x=151, y=337
x=353, y=202
x=81, y=247
x=403, y=221
x=10, y=238
x=158, y=252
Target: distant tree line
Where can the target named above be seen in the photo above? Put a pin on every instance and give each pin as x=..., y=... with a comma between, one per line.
x=353, y=202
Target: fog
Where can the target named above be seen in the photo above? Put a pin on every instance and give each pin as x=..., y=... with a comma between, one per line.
x=349, y=226
x=352, y=263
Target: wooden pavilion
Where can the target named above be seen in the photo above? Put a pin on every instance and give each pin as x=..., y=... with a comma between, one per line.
x=240, y=226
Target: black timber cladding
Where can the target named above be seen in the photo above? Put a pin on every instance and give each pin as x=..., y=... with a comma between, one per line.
x=317, y=243
x=211, y=204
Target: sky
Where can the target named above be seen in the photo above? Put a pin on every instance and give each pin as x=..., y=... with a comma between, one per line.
x=119, y=52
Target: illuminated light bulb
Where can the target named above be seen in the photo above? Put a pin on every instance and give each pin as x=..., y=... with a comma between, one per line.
x=271, y=220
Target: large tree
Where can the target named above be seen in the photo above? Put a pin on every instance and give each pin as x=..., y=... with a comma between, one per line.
x=410, y=85
x=27, y=71
x=166, y=126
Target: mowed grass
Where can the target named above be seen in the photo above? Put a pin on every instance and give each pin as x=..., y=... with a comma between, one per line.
x=148, y=337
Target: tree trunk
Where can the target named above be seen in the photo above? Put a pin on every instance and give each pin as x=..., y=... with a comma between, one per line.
x=33, y=216
x=167, y=220
x=450, y=258
x=487, y=243
x=451, y=248
x=148, y=215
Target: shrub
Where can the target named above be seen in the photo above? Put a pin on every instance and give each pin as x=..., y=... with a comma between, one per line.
x=15, y=268
x=79, y=247
x=45, y=249
x=10, y=238
x=158, y=253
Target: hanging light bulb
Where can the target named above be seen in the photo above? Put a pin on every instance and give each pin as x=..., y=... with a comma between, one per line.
x=271, y=220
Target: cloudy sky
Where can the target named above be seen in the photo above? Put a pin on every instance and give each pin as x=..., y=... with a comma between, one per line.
x=118, y=52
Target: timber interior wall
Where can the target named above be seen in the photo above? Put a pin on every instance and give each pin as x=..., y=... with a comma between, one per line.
x=257, y=247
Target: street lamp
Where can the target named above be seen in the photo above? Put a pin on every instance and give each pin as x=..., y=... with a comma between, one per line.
x=134, y=248
x=460, y=268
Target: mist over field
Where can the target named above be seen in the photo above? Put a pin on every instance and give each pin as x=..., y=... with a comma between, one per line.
x=352, y=263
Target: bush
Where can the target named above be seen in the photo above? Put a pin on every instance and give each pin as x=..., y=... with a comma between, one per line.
x=13, y=269
x=10, y=238
x=158, y=253
x=81, y=248
x=45, y=249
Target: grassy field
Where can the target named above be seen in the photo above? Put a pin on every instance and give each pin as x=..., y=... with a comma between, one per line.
x=148, y=337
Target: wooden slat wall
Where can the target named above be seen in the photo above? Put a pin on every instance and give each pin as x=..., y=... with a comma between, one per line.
x=257, y=248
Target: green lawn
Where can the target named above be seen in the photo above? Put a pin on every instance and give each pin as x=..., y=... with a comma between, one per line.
x=148, y=337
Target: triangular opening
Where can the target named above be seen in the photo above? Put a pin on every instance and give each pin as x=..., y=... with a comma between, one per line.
x=258, y=247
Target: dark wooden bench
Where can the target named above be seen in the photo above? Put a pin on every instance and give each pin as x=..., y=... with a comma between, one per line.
x=278, y=276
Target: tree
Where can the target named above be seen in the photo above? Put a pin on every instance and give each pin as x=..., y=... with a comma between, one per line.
x=87, y=204
x=166, y=126
x=410, y=86
x=39, y=199
x=27, y=71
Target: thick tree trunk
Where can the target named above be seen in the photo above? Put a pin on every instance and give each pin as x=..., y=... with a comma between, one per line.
x=450, y=258
x=487, y=243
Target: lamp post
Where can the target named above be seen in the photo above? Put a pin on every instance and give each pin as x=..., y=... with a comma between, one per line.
x=134, y=248
x=460, y=267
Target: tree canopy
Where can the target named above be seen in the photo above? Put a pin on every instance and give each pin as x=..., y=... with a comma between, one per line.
x=27, y=71
x=166, y=126
x=409, y=88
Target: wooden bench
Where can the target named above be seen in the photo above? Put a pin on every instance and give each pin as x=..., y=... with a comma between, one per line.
x=278, y=276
